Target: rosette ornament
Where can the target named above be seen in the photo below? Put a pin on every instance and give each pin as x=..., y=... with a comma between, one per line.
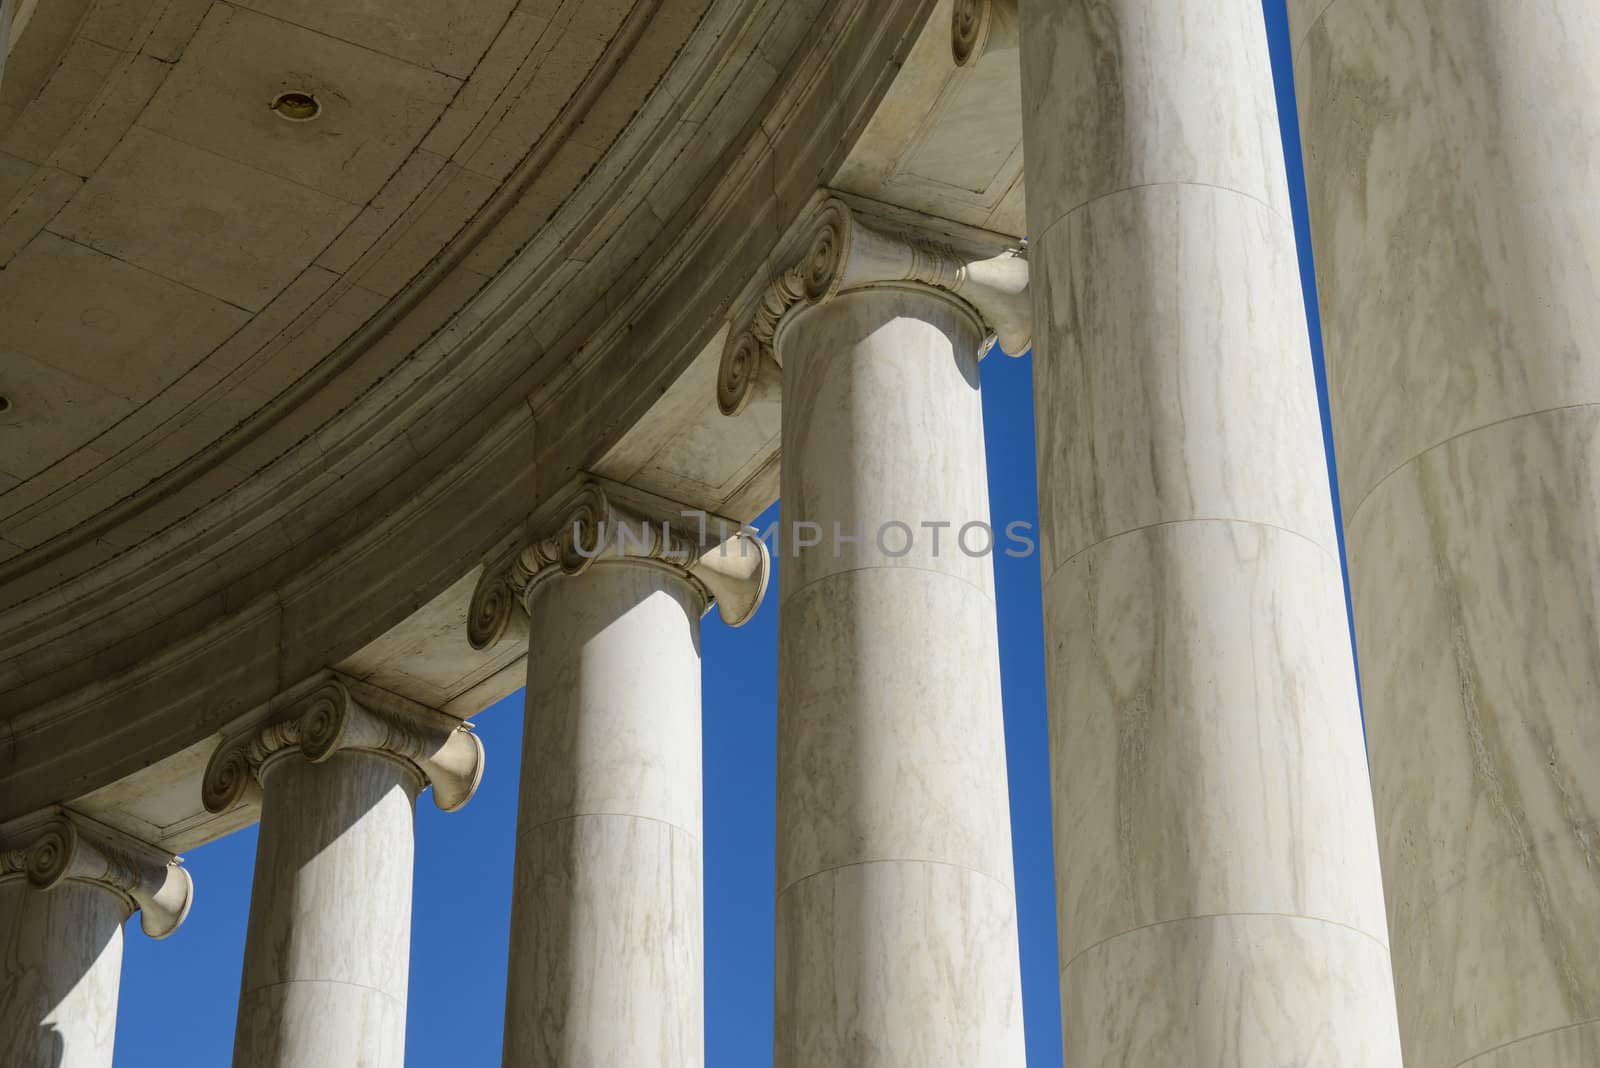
x=848, y=248
x=341, y=714
x=605, y=524
x=66, y=846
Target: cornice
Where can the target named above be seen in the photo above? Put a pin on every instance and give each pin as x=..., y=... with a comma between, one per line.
x=605, y=524
x=58, y=845
x=342, y=714
x=850, y=244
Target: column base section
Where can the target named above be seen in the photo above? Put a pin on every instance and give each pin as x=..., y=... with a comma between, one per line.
x=1236, y=991
x=313, y=1023
x=898, y=964
x=607, y=960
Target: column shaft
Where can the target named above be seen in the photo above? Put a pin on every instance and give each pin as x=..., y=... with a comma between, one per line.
x=60, y=970
x=1217, y=875
x=896, y=919
x=328, y=944
x=1453, y=179
x=607, y=948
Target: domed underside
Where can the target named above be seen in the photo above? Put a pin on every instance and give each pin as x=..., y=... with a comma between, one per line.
x=279, y=384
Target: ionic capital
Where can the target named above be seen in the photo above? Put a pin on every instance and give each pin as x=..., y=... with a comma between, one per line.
x=604, y=524
x=978, y=27
x=846, y=249
x=341, y=714
x=61, y=845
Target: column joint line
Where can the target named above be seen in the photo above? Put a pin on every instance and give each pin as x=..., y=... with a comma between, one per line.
x=897, y=860
x=399, y=1002
x=1527, y=1038
x=1034, y=240
x=1375, y=940
x=610, y=815
x=1442, y=442
x=1330, y=553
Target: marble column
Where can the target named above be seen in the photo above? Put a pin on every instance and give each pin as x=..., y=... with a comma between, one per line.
x=1454, y=187
x=336, y=773
x=1218, y=891
x=896, y=912
x=66, y=885
x=607, y=947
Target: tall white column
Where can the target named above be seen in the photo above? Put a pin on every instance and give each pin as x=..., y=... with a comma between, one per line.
x=896, y=913
x=1453, y=177
x=607, y=921
x=1218, y=893
x=65, y=890
x=328, y=942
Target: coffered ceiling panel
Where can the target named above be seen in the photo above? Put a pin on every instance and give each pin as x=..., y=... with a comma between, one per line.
x=198, y=218
x=373, y=109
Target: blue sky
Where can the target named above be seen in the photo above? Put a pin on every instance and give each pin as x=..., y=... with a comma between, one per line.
x=180, y=994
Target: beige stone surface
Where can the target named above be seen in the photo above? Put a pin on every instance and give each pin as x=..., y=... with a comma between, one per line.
x=607, y=931
x=1450, y=175
x=328, y=942
x=63, y=961
x=1218, y=889
x=897, y=928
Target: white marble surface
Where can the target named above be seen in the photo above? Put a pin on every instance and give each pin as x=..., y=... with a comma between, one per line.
x=1485, y=742
x=613, y=699
x=896, y=964
x=1206, y=747
x=1179, y=380
x=327, y=947
x=1211, y=804
x=855, y=419
x=607, y=929
x=60, y=973
x=1119, y=94
x=1451, y=174
x=897, y=939
x=607, y=948
x=1235, y=991
x=891, y=742
x=1452, y=177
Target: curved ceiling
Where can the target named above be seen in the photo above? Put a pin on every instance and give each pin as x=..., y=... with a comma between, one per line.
x=274, y=384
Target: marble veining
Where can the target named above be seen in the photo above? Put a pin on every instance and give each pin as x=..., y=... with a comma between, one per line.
x=60, y=973
x=1233, y=992
x=1202, y=769
x=1119, y=94
x=898, y=965
x=1485, y=746
x=897, y=936
x=1451, y=171
x=1178, y=380
x=328, y=943
x=853, y=419
x=607, y=928
x=609, y=931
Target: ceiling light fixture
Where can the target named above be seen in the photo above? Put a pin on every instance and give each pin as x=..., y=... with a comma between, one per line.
x=296, y=107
